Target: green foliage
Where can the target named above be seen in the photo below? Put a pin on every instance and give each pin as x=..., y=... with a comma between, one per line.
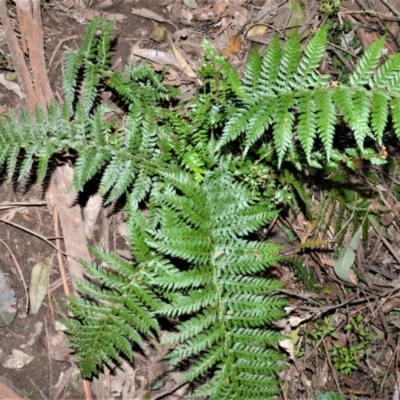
x=345, y=353
x=222, y=293
x=208, y=173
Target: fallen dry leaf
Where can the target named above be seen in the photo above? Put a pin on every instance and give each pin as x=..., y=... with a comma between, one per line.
x=14, y=87
x=257, y=30
x=204, y=14
x=159, y=57
x=185, y=66
x=233, y=47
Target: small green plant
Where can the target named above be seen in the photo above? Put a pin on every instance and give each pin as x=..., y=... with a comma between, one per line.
x=346, y=359
x=345, y=352
x=330, y=6
x=321, y=330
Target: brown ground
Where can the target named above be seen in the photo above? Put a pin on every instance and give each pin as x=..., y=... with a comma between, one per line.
x=39, y=378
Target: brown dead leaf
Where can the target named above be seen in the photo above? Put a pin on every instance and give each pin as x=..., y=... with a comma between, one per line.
x=184, y=64
x=172, y=79
x=58, y=346
x=159, y=57
x=233, y=47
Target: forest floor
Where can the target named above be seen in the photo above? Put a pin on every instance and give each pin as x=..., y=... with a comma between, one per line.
x=349, y=343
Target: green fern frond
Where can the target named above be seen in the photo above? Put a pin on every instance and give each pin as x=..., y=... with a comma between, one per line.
x=283, y=126
x=379, y=114
x=306, y=75
x=227, y=303
x=260, y=121
x=387, y=76
x=368, y=63
x=395, y=112
x=289, y=63
x=359, y=121
x=252, y=73
x=194, y=163
x=120, y=312
x=307, y=125
x=270, y=68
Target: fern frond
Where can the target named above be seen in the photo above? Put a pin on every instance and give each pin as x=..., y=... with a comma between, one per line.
x=216, y=288
x=325, y=119
x=270, y=68
x=307, y=126
x=395, y=112
x=388, y=75
x=359, y=121
x=368, y=63
x=252, y=73
x=289, y=63
x=260, y=121
x=379, y=114
x=283, y=126
x=306, y=75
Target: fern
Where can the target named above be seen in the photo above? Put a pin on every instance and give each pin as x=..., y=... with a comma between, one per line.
x=212, y=171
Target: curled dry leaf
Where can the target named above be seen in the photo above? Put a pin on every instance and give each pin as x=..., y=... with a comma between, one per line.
x=13, y=86
x=256, y=31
